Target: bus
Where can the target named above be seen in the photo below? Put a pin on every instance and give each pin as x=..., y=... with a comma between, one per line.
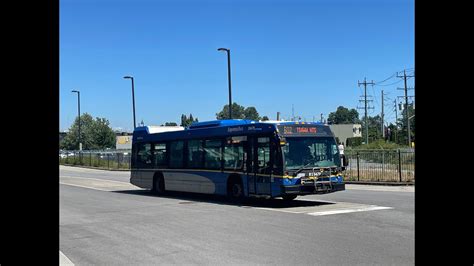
x=239, y=158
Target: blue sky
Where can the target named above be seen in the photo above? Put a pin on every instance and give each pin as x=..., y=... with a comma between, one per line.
x=309, y=54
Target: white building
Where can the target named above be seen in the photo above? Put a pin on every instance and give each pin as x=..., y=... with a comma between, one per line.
x=345, y=131
x=124, y=141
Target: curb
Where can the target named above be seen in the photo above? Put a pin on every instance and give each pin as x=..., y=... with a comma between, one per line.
x=381, y=183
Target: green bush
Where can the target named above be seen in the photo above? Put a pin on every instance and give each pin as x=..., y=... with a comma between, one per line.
x=354, y=142
x=379, y=145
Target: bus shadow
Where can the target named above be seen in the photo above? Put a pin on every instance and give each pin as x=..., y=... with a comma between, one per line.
x=190, y=198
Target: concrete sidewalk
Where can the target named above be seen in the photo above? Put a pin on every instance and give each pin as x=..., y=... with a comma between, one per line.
x=380, y=188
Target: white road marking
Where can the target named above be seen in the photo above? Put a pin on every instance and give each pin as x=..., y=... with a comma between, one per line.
x=74, y=185
x=63, y=260
x=86, y=178
x=95, y=183
x=369, y=208
x=321, y=207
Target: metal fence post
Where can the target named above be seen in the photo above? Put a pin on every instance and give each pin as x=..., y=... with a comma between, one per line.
x=118, y=160
x=400, y=165
x=108, y=161
x=383, y=166
x=90, y=158
x=358, y=178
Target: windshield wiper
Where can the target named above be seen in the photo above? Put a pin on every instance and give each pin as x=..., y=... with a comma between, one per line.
x=301, y=169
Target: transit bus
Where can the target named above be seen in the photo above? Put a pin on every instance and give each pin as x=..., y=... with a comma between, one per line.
x=239, y=158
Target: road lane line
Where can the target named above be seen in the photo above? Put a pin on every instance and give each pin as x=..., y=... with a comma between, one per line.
x=63, y=260
x=369, y=208
x=74, y=185
x=107, y=180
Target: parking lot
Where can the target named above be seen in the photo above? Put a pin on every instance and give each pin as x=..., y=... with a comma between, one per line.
x=106, y=220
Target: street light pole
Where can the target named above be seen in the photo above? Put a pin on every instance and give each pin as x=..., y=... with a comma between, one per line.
x=133, y=99
x=79, y=116
x=228, y=74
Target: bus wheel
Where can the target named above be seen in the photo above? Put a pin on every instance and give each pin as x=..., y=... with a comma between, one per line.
x=289, y=197
x=159, y=184
x=235, y=190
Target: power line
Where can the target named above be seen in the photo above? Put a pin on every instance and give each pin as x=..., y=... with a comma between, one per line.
x=392, y=76
x=390, y=84
x=376, y=83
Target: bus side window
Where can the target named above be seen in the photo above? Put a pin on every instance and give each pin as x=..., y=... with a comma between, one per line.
x=212, y=154
x=160, y=155
x=233, y=154
x=144, y=158
x=176, y=154
x=195, y=154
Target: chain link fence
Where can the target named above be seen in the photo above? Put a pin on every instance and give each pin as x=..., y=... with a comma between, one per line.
x=380, y=165
x=364, y=165
x=100, y=159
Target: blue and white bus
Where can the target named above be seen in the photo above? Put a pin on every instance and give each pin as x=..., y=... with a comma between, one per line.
x=239, y=158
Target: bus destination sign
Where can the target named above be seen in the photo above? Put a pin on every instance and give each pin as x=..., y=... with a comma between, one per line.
x=289, y=130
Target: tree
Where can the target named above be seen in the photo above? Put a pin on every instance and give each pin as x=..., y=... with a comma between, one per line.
x=95, y=134
x=170, y=124
x=343, y=116
x=251, y=113
x=265, y=118
x=186, y=122
x=102, y=134
x=237, y=112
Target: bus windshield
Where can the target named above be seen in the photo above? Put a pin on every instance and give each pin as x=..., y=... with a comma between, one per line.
x=310, y=152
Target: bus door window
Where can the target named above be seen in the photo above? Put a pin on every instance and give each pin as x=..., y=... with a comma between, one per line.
x=275, y=157
x=176, y=154
x=144, y=158
x=212, y=154
x=160, y=155
x=263, y=156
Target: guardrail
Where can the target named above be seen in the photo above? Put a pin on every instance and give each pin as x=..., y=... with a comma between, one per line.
x=100, y=159
x=380, y=165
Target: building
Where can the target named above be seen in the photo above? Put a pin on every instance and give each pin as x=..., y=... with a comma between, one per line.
x=123, y=140
x=345, y=131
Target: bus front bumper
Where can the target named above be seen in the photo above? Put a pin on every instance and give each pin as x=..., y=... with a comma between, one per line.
x=313, y=188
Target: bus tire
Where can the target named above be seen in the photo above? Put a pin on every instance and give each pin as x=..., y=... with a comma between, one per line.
x=235, y=188
x=289, y=197
x=158, y=184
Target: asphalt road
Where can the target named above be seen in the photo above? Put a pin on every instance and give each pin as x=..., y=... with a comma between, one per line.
x=106, y=220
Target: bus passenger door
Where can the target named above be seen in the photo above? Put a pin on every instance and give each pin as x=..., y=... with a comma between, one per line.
x=259, y=166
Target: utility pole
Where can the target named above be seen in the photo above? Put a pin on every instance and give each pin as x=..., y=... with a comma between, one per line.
x=396, y=121
x=365, y=101
x=406, y=103
x=382, y=115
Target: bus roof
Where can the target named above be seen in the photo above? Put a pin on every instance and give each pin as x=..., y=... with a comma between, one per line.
x=215, y=128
